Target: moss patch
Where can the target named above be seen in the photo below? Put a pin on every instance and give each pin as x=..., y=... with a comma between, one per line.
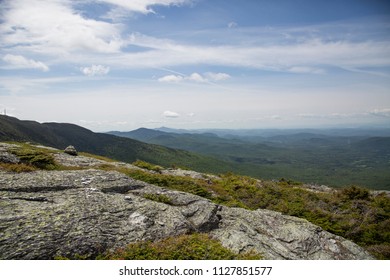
x=158, y=198
x=35, y=157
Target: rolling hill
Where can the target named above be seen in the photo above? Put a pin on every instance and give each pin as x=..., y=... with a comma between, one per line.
x=309, y=156
x=60, y=135
x=360, y=157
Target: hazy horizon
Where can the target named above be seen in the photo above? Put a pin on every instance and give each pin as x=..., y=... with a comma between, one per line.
x=356, y=127
x=196, y=64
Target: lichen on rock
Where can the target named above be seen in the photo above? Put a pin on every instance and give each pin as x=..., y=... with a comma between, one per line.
x=45, y=214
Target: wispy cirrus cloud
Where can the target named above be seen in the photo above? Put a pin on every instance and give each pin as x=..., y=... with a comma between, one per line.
x=20, y=62
x=62, y=33
x=307, y=57
x=217, y=76
x=15, y=84
x=383, y=113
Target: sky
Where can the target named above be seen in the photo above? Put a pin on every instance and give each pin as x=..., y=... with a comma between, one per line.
x=124, y=64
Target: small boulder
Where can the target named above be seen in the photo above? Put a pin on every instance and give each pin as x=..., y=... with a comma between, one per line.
x=6, y=157
x=70, y=150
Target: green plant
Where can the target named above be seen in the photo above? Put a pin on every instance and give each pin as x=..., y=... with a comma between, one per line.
x=158, y=198
x=184, y=184
x=350, y=212
x=17, y=167
x=183, y=247
x=354, y=192
x=36, y=157
x=147, y=166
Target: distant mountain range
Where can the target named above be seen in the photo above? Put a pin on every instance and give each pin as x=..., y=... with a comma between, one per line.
x=60, y=135
x=330, y=157
x=269, y=132
x=334, y=156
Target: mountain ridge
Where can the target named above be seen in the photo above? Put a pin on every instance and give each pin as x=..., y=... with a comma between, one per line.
x=97, y=206
x=305, y=157
x=60, y=135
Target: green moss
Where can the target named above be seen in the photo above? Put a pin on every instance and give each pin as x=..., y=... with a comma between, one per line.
x=37, y=157
x=158, y=198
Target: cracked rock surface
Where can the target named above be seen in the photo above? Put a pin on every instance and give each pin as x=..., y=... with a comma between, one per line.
x=44, y=214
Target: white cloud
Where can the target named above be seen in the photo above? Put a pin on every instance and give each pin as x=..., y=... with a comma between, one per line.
x=95, y=70
x=195, y=77
x=306, y=55
x=305, y=70
x=381, y=112
x=54, y=27
x=331, y=116
x=303, y=57
x=217, y=76
x=170, y=114
x=144, y=6
x=20, y=62
x=171, y=79
x=232, y=24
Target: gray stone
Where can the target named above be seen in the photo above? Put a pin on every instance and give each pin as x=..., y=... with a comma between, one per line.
x=277, y=236
x=45, y=214
x=70, y=150
x=79, y=161
x=6, y=156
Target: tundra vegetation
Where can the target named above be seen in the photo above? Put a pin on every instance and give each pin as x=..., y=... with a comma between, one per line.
x=352, y=212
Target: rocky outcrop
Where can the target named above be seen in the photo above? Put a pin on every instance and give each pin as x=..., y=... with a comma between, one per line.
x=70, y=150
x=6, y=156
x=44, y=214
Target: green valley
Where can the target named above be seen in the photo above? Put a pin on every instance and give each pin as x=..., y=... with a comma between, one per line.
x=330, y=157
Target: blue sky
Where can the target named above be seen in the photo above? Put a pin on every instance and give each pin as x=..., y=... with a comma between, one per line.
x=124, y=64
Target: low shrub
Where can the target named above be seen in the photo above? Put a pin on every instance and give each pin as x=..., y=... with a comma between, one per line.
x=351, y=212
x=184, y=247
x=17, y=167
x=147, y=166
x=35, y=157
x=184, y=184
x=354, y=192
